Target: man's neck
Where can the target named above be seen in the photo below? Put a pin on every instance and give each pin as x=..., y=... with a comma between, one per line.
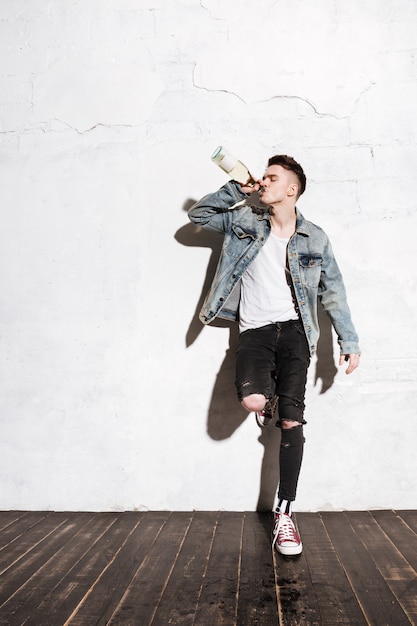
x=283, y=220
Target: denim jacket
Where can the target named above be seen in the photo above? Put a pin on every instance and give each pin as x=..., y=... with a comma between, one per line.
x=313, y=268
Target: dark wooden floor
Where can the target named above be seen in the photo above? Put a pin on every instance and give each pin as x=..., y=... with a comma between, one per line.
x=206, y=568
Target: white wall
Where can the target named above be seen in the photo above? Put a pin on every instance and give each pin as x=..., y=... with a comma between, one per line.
x=113, y=396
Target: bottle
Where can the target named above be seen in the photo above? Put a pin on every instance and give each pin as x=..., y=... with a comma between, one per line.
x=233, y=167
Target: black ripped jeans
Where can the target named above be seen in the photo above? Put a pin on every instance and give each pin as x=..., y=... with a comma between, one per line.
x=274, y=359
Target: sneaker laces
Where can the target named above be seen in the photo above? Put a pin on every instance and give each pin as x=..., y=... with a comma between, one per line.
x=265, y=416
x=271, y=406
x=284, y=530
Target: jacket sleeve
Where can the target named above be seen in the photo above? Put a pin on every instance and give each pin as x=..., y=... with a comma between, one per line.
x=212, y=211
x=332, y=294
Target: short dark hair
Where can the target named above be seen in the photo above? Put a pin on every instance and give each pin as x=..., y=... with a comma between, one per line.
x=290, y=164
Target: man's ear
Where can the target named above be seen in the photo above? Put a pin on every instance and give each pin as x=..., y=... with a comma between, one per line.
x=292, y=189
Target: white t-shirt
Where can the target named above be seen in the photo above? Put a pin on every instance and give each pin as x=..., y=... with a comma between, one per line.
x=265, y=294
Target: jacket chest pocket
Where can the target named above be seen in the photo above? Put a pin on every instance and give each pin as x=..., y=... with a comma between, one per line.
x=239, y=241
x=241, y=233
x=311, y=268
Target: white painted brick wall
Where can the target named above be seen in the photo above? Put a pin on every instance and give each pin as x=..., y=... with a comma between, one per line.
x=111, y=396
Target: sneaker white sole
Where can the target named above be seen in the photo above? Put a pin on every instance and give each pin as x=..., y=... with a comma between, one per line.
x=289, y=550
x=263, y=422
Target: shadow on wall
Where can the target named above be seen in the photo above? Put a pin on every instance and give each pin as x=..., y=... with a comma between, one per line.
x=225, y=414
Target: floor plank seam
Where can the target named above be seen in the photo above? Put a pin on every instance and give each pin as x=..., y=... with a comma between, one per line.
x=204, y=576
x=239, y=567
x=171, y=570
x=135, y=574
x=100, y=576
x=277, y=587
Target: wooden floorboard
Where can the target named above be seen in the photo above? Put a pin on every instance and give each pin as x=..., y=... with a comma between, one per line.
x=257, y=593
x=27, y=580
x=106, y=593
x=331, y=599
x=218, y=599
x=59, y=605
x=180, y=598
x=147, y=585
x=399, y=532
x=395, y=569
x=373, y=594
x=206, y=569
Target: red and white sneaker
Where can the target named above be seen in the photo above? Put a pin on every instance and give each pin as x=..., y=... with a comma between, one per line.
x=264, y=418
x=285, y=537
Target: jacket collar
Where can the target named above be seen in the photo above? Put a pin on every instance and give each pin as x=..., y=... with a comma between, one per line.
x=301, y=224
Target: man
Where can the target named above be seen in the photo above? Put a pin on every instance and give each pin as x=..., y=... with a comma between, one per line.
x=274, y=267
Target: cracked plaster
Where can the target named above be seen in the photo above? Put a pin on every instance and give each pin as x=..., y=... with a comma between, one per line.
x=84, y=96
x=288, y=55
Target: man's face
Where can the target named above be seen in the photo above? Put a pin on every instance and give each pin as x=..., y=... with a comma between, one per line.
x=278, y=184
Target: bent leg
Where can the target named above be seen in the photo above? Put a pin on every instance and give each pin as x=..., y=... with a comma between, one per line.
x=255, y=367
x=254, y=402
